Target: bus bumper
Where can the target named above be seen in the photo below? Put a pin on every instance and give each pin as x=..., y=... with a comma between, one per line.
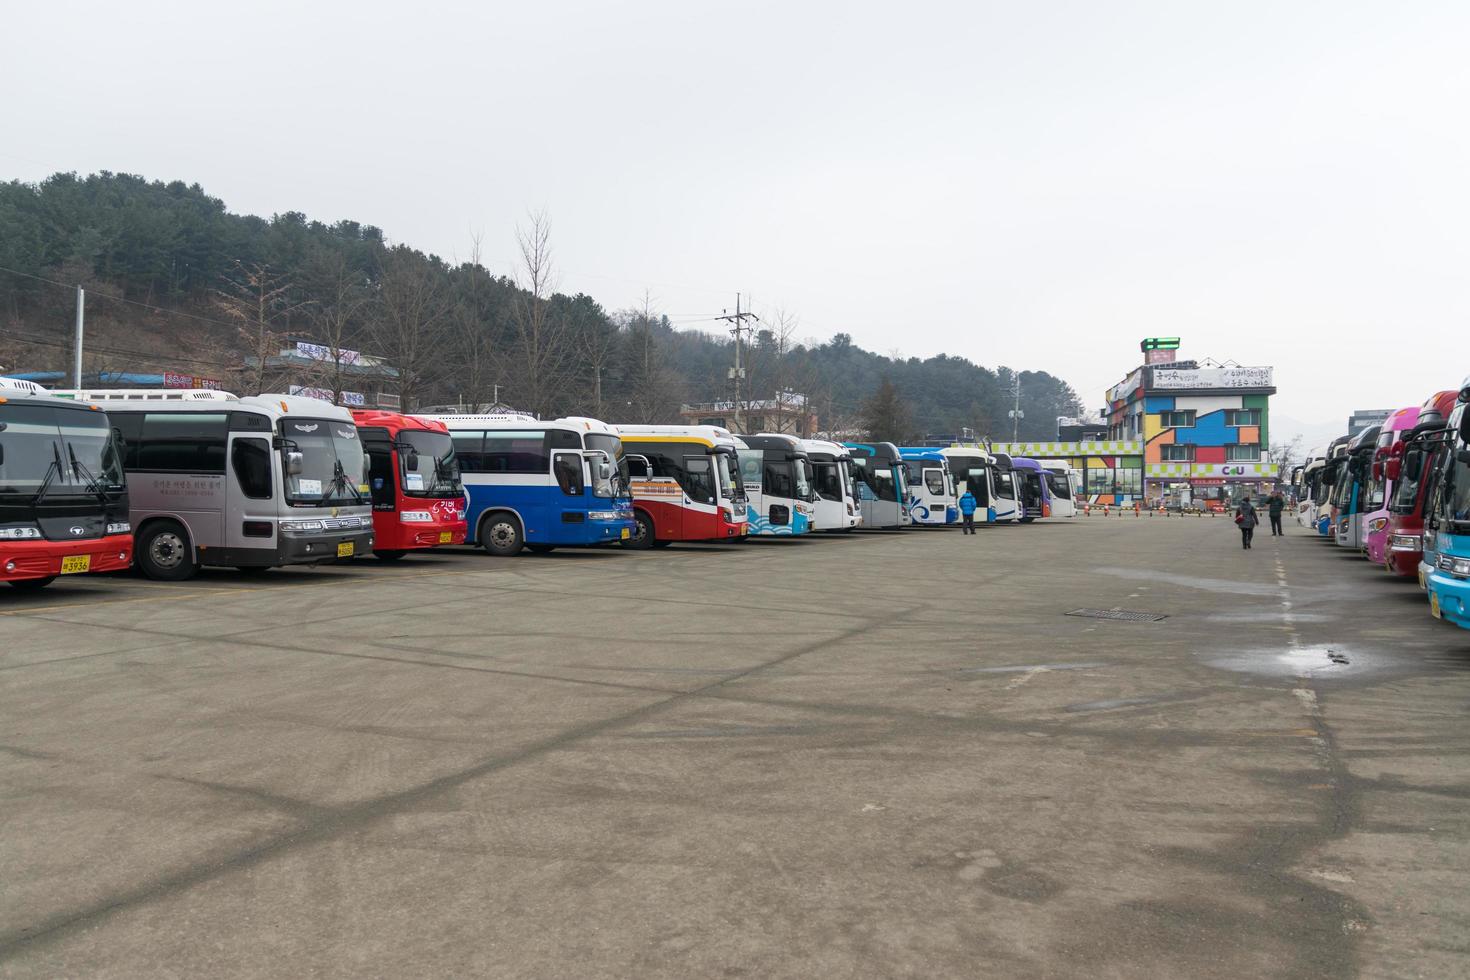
x=45, y=559
x=392, y=534
x=1449, y=597
x=305, y=549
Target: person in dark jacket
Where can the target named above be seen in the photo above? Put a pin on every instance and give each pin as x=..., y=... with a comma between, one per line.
x=1246, y=520
x=967, y=511
x=1274, y=508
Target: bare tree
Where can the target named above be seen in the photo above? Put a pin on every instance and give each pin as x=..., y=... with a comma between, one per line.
x=472, y=335
x=540, y=355
x=259, y=301
x=654, y=389
x=340, y=297
x=410, y=320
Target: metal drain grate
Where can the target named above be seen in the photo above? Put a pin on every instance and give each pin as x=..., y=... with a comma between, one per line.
x=1122, y=614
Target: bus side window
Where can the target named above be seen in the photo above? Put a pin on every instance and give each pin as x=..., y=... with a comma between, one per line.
x=568, y=470
x=934, y=480
x=638, y=467
x=469, y=449
x=699, y=479
x=251, y=460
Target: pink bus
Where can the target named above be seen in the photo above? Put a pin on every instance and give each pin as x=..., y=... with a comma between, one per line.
x=1381, y=484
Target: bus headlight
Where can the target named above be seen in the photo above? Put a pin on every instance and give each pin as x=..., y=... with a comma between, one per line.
x=20, y=532
x=1377, y=524
x=1458, y=567
x=301, y=525
x=415, y=516
x=1404, y=542
x=602, y=515
x=119, y=527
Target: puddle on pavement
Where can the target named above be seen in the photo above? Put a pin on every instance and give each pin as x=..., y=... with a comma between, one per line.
x=1322, y=660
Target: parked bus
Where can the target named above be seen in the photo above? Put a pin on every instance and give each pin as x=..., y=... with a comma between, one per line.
x=255, y=482
x=1306, y=487
x=1034, y=489
x=1414, y=475
x=836, y=485
x=932, y=498
x=881, y=484
x=686, y=484
x=1008, y=509
x=1352, y=497
x=777, y=476
x=1332, y=469
x=1381, y=481
x=1061, y=487
x=1448, y=523
x=972, y=470
x=63, y=496
x=413, y=480
x=538, y=485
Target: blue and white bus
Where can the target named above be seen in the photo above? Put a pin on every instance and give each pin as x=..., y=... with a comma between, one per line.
x=540, y=485
x=778, y=479
x=932, y=500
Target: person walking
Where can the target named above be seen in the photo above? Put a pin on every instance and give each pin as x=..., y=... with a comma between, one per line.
x=1274, y=507
x=1246, y=520
x=967, y=511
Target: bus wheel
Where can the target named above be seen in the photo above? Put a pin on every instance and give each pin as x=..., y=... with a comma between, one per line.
x=32, y=584
x=390, y=554
x=500, y=534
x=164, y=552
x=642, y=537
x=541, y=549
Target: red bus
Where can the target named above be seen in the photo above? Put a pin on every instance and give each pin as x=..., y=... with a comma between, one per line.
x=418, y=500
x=1411, y=465
x=686, y=484
x=63, y=496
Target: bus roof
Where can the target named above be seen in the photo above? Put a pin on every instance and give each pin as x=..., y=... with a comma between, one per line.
x=879, y=450
x=395, y=421
x=707, y=435
x=520, y=422
x=965, y=452
x=275, y=406
x=1024, y=463
x=1402, y=420
x=920, y=452
x=776, y=441
x=15, y=391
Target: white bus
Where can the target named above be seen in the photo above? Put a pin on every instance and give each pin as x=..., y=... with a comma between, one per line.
x=1059, y=480
x=255, y=482
x=837, y=503
x=777, y=476
x=932, y=500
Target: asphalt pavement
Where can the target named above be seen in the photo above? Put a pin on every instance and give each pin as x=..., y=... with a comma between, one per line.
x=886, y=754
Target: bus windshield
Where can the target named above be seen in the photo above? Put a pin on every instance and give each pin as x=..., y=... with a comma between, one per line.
x=828, y=482
x=878, y=479
x=612, y=448
x=805, y=478
x=1457, y=492
x=428, y=464
x=728, y=469
x=1005, y=486
x=71, y=449
x=1057, y=482
x=1406, y=491
x=333, y=464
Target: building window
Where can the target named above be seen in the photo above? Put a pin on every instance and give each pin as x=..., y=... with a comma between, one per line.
x=1246, y=452
x=1243, y=416
x=1177, y=420
x=1182, y=453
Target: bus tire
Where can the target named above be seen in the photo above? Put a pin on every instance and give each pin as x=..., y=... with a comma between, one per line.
x=32, y=584
x=541, y=549
x=500, y=534
x=164, y=553
x=390, y=554
x=643, y=536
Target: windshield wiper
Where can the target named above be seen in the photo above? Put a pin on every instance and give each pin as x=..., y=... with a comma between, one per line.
x=339, y=482
x=94, y=484
x=53, y=468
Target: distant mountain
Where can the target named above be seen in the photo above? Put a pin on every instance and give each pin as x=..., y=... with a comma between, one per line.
x=1284, y=428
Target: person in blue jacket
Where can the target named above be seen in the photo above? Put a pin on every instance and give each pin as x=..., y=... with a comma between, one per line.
x=967, y=511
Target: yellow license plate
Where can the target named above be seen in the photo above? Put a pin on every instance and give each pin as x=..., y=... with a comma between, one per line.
x=626, y=534
x=445, y=537
x=1434, y=605
x=72, y=564
x=344, y=550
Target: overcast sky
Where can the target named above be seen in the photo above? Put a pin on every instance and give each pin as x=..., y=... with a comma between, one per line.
x=1034, y=185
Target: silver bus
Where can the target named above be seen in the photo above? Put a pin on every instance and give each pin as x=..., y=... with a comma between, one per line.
x=254, y=483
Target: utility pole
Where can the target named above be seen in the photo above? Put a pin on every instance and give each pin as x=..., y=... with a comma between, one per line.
x=737, y=373
x=81, y=303
x=1016, y=414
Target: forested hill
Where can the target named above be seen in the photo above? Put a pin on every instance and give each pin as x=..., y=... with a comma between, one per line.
x=175, y=282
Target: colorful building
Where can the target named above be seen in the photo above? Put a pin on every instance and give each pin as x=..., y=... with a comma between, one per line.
x=1205, y=428
x=1108, y=471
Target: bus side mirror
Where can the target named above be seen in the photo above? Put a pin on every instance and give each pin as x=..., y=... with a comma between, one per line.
x=293, y=464
x=1394, y=468
x=413, y=460
x=1465, y=426
x=1377, y=471
x=2, y=452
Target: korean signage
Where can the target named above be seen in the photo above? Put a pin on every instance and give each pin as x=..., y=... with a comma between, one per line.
x=319, y=353
x=353, y=399
x=1179, y=379
x=171, y=380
